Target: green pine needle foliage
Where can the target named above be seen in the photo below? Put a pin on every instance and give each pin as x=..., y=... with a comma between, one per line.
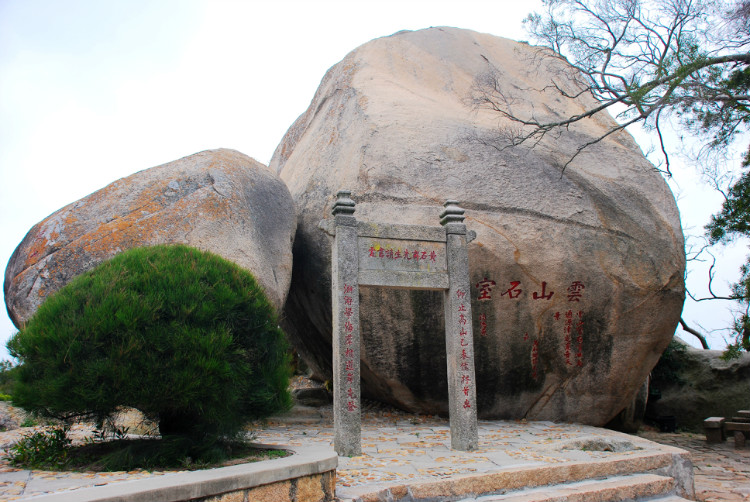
x=182, y=335
x=734, y=217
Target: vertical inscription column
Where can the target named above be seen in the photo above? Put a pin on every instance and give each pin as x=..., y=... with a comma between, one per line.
x=347, y=420
x=459, y=342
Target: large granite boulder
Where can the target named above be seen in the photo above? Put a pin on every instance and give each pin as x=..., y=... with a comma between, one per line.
x=689, y=385
x=578, y=273
x=218, y=200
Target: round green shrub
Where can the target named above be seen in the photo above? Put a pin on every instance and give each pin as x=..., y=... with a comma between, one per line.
x=182, y=335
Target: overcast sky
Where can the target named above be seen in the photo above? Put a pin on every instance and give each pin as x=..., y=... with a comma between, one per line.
x=91, y=91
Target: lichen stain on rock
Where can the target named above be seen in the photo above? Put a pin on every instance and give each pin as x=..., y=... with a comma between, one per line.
x=48, y=232
x=203, y=200
x=37, y=251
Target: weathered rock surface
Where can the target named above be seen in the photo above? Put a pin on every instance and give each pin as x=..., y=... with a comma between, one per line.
x=596, y=250
x=312, y=396
x=693, y=384
x=218, y=200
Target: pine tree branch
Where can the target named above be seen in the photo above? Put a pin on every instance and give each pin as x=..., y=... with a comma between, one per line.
x=695, y=333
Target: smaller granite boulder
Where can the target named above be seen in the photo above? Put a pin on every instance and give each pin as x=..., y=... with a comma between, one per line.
x=218, y=200
x=689, y=385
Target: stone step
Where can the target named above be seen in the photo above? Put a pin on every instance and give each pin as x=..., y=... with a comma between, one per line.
x=616, y=488
x=524, y=479
x=670, y=498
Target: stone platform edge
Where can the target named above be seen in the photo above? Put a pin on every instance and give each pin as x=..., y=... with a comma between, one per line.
x=667, y=461
x=307, y=475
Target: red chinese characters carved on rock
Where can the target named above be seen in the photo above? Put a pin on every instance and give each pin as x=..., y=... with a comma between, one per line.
x=396, y=254
x=534, y=358
x=465, y=378
x=575, y=291
x=568, y=331
x=349, y=352
x=579, y=339
x=485, y=288
x=543, y=295
x=483, y=324
x=514, y=291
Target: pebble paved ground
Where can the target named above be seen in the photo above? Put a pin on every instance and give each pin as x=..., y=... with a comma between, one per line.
x=722, y=473
x=401, y=449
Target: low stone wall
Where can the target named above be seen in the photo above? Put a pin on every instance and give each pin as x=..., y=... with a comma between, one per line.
x=307, y=476
x=315, y=488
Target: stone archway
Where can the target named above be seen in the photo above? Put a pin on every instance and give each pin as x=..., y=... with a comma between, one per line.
x=409, y=257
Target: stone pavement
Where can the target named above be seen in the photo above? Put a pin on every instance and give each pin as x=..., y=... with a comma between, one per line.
x=401, y=449
x=722, y=473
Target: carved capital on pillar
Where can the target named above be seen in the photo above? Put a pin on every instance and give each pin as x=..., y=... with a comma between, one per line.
x=343, y=209
x=452, y=218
